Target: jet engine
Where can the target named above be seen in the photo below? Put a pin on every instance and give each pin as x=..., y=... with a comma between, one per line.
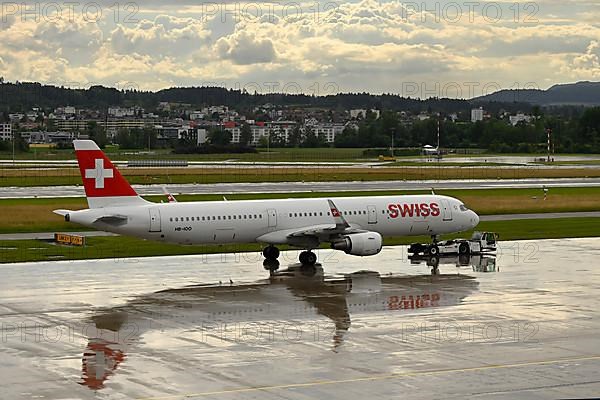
x=359, y=244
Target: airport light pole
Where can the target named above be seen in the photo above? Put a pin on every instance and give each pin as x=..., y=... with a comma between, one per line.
x=549, y=132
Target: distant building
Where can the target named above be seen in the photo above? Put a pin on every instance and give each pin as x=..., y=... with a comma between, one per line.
x=119, y=112
x=16, y=117
x=423, y=116
x=477, y=114
x=362, y=113
x=67, y=110
x=312, y=121
x=112, y=125
x=201, y=136
x=520, y=117
x=166, y=132
x=260, y=130
x=164, y=106
x=194, y=115
x=5, y=132
x=328, y=131
x=41, y=137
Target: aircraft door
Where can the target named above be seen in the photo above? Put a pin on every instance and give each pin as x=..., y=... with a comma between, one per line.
x=372, y=214
x=154, y=219
x=446, y=210
x=272, y=218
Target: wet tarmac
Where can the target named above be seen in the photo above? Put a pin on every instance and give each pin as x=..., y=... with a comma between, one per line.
x=521, y=324
x=303, y=187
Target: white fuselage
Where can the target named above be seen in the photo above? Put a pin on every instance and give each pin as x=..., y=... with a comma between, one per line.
x=270, y=221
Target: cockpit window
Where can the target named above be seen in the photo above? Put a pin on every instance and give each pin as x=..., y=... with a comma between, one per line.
x=463, y=208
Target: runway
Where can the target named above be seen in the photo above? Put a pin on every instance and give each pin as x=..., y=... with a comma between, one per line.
x=216, y=326
x=299, y=187
x=480, y=160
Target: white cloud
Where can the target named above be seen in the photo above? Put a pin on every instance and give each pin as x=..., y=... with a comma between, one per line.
x=588, y=65
x=367, y=45
x=246, y=48
x=164, y=36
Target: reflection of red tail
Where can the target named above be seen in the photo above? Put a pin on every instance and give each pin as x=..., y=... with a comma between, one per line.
x=99, y=362
x=104, y=185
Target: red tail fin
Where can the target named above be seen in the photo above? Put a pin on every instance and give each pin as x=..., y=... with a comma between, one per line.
x=104, y=185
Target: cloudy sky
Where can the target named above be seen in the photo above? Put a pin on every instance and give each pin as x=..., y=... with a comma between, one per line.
x=420, y=49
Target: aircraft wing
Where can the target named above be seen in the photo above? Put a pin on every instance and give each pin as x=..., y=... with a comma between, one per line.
x=309, y=236
x=313, y=235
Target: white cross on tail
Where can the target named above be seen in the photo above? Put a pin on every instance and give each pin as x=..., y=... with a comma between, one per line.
x=99, y=173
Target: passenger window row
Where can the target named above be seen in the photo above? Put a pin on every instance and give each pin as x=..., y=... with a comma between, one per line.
x=216, y=218
x=320, y=214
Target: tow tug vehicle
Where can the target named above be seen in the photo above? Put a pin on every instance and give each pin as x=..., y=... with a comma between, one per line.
x=480, y=242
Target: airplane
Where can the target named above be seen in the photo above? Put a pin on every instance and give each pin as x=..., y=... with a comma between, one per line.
x=355, y=225
x=429, y=149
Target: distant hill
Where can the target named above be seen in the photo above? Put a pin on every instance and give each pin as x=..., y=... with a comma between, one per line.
x=22, y=96
x=580, y=93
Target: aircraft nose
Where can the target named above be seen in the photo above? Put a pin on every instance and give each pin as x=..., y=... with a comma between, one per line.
x=474, y=219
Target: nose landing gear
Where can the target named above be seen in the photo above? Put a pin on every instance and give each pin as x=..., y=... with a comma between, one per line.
x=271, y=264
x=271, y=252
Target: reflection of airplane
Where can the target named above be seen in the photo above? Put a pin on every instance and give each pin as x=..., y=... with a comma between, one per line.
x=289, y=301
x=478, y=262
x=355, y=225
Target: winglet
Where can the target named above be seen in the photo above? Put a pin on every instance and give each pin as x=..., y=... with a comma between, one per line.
x=340, y=221
x=170, y=197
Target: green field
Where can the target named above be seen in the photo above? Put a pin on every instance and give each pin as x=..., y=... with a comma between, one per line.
x=35, y=215
x=216, y=174
x=124, y=247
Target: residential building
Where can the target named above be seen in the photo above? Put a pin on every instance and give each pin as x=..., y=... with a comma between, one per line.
x=41, y=137
x=5, y=132
x=112, y=126
x=119, y=112
x=362, y=113
x=477, y=114
x=328, y=131
x=520, y=117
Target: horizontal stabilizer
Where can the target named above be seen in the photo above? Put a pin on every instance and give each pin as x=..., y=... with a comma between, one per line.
x=62, y=212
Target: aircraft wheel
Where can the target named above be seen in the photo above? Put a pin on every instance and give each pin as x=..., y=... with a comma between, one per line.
x=463, y=248
x=271, y=265
x=434, y=250
x=308, y=258
x=434, y=261
x=271, y=253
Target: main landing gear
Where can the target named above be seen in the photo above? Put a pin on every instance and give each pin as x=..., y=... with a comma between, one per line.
x=307, y=257
x=271, y=253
